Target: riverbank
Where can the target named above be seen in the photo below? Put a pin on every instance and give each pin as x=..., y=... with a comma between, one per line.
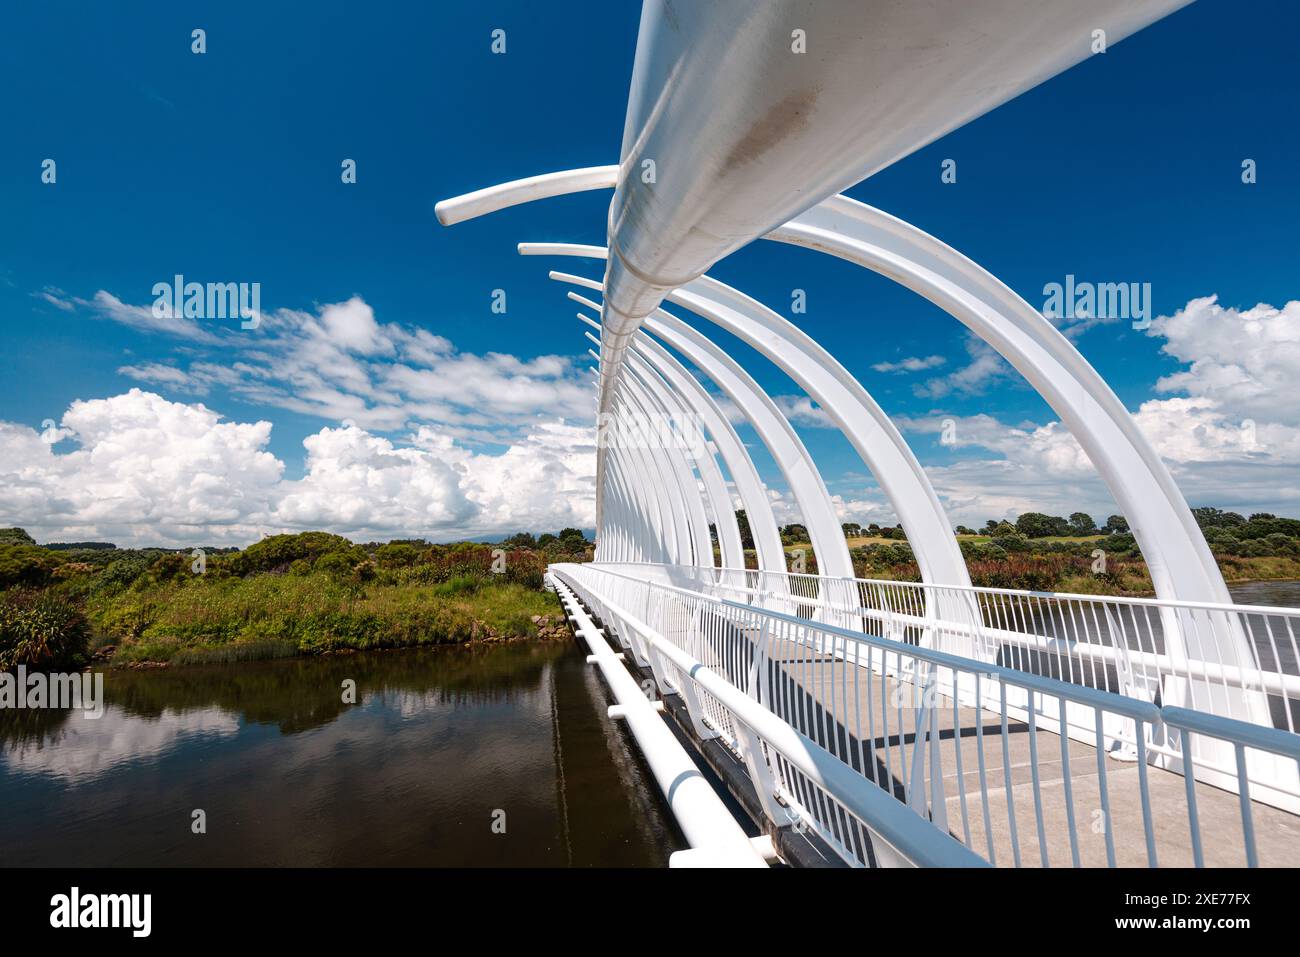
x=284, y=596
x=284, y=616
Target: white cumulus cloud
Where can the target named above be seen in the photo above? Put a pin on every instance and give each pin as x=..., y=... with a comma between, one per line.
x=143, y=469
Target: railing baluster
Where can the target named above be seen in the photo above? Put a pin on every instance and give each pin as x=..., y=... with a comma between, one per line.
x=1145, y=792
x=1069, y=791
x=1247, y=817
x=984, y=784
x=1006, y=776
x=1103, y=788
x=961, y=777
x=1193, y=818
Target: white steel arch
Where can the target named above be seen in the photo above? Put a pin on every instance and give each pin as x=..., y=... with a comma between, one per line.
x=654, y=481
x=1180, y=562
x=688, y=479
x=714, y=485
x=773, y=428
x=677, y=477
x=645, y=536
x=749, y=487
x=936, y=271
x=858, y=416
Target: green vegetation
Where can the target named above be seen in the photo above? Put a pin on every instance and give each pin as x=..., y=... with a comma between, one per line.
x=40, y=630
x=1043, y=552
x=285, y=595
x=315, y=592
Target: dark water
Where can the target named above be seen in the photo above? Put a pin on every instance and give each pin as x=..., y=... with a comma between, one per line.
x=1284, y=593
x=413, y=774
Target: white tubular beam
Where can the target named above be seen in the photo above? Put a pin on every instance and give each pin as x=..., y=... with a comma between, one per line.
x=705, y=821
x=746, y=134
x=526, y=190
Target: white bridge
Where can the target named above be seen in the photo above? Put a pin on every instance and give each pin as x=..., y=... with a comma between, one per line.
x=881, y=723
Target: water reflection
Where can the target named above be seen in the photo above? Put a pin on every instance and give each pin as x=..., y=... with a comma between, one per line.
x=412, y=774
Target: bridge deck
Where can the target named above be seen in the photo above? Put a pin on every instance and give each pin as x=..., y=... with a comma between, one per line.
x=1277, y=832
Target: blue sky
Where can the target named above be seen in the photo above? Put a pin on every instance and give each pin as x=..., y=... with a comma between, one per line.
x=226, y=167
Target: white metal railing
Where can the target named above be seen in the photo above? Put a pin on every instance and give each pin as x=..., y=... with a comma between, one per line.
x=954, y=736
x=860, y=821
x=1180, y=653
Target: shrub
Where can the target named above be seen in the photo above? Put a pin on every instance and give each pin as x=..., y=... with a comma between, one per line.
x=123, y=572
x=278, y=552
x=335, y=564
x=1011, y=543
x=26, y=565
x=41, y=631
x=168, y=567
x=397, y=555
x=73, y=570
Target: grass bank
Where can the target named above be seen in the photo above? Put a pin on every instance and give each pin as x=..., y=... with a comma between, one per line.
x=286, y=595
x=269, y=616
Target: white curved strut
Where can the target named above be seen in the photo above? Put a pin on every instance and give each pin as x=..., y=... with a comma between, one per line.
x=715, y=486
x=772, y=427
x=831, y=227
x=872, y=434
x=749, y=487
x=683, y=486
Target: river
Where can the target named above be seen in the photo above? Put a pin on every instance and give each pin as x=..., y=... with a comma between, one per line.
x=484, y=755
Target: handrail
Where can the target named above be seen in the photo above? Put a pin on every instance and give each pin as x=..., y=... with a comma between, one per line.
x=1129, y=707
x=1274, y=682
x=1281, y=610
